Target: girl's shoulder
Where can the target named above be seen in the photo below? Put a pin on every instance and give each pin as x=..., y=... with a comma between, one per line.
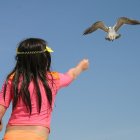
x=11, y=76
x=54, y=74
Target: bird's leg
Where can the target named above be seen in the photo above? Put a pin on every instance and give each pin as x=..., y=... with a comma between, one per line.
x=118, y=36
x=107, y=38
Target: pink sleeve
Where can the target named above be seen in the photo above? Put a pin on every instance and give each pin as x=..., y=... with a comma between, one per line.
x=7, y=100
x=64, y=80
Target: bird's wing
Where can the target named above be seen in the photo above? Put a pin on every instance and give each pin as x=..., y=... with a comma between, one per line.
x=95, y=26
x=125, y=20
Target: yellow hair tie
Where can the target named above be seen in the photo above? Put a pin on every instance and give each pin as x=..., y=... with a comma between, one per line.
x=49, y=49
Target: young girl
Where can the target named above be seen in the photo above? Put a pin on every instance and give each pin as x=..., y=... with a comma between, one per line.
x=32, y=88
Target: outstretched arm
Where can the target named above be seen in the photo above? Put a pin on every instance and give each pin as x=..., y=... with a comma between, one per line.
x=76, y=71
x=2, y=112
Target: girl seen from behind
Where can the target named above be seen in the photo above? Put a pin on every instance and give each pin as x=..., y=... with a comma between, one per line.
x=32, y=87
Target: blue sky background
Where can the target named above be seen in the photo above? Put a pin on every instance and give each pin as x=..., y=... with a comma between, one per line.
x=103, y=103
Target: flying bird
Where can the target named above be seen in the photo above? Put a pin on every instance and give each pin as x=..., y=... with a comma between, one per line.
x=111, y=31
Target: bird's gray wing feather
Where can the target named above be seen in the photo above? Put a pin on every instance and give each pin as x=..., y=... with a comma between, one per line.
x=125, y=20
x=95, y=26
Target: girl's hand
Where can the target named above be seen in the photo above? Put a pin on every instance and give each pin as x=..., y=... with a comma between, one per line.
x=81, y=66
x=1, y=126
x=2, y=112
x=84, y=64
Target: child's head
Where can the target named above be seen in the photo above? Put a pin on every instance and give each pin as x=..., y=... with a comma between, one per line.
x=33, y=62
x=33, y=55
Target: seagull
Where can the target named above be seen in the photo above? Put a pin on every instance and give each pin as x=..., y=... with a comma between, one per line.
x=111, y=31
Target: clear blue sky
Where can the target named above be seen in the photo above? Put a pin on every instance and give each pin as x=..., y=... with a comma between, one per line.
x=103, y=103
